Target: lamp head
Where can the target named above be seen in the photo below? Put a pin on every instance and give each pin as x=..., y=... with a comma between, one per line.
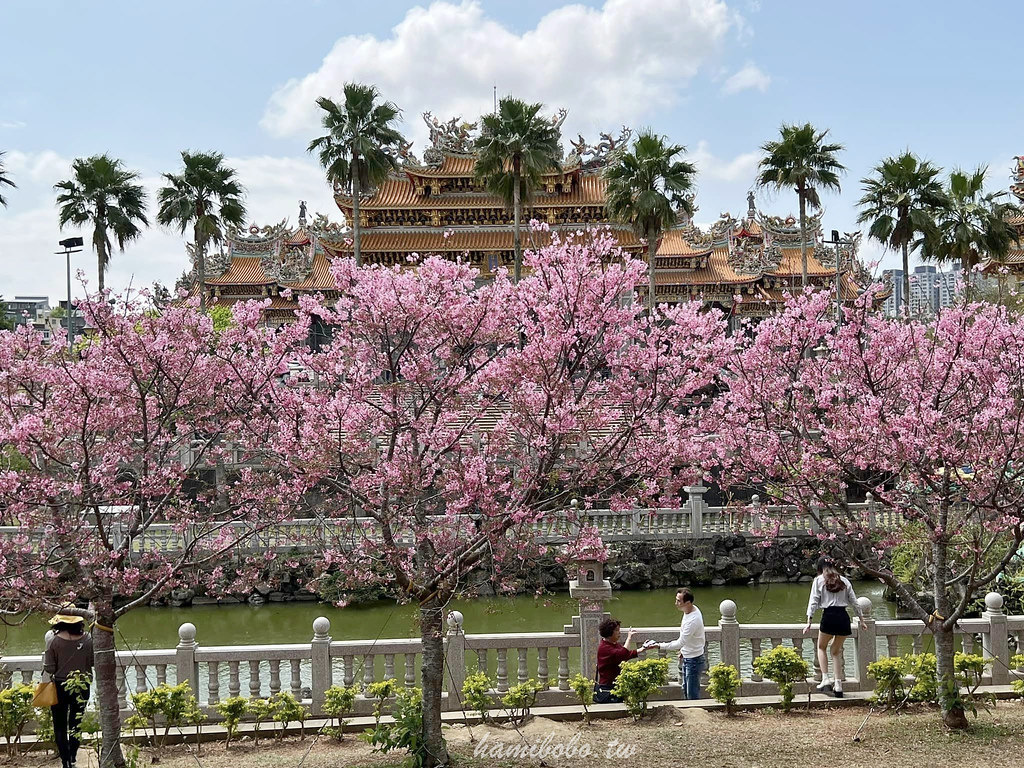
x=71, y=242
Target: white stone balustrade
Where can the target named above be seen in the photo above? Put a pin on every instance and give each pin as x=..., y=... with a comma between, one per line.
x=308, y=669
x=693, y=520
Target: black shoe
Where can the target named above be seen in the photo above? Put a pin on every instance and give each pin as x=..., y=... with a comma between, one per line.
x=837, y=693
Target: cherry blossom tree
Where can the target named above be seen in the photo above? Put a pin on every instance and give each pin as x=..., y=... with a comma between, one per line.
x=110, y=438
x=926, y=416
x=444, y=420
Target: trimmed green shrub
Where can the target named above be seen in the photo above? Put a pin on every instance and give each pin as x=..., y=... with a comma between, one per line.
x=261, y=711
x=286, y=709
x=638, y=681
x=476, y=694
x=724, y=685
x=888, y=673
x=783, y=666
x=232, y=710
x=16, y=711
x=584, y=689
x=969, y=667
x=338, y=702
x=520, y=700
x=174, y=704
x=923, y=668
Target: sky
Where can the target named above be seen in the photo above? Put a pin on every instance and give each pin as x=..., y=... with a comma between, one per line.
x=143, y=81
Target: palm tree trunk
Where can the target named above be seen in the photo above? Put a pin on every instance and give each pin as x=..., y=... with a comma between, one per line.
x=99, y=239
x=803, y=238
x=201, y=267
x=516, y=213
x=906, y=278
x=356, y=234
x=652, y=247
x=965, y=270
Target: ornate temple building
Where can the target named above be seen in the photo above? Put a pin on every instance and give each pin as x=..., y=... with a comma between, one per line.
x=437, y=206
x=1015, y=259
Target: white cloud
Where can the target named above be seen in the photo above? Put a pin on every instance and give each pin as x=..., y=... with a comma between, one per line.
x=748, y=77
x=740, y=168
x=12, y=124
x=29, y=231
x=619, y=63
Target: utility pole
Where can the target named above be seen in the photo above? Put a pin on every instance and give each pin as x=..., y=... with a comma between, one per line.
x=70, y=245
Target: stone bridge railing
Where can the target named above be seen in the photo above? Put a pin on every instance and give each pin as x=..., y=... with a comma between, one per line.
x=308, y=669
x=693, y=520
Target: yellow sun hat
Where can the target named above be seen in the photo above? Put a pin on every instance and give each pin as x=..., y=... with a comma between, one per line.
x=64, y=618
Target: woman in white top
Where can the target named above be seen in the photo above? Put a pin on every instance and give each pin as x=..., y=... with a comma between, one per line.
x=833, y=593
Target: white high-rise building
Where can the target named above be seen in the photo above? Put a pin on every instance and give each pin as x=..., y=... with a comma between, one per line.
x=930, y=290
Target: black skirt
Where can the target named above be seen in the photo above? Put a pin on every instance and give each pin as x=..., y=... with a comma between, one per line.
x=835, y=621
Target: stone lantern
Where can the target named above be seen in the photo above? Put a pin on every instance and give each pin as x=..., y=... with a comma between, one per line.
x=591, y=588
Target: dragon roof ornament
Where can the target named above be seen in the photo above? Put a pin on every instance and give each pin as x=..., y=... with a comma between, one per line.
x=1018, y=177
x=787, y=230
x=593, y=157
x=454, y=136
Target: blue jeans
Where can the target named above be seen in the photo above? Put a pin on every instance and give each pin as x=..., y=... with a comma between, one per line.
x=689, y=676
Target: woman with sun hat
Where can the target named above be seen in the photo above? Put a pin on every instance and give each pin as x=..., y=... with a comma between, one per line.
x=68, y=657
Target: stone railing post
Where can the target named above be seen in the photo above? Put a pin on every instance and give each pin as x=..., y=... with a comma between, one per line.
x=320, y=648
x=455, y=660
x=995, y=643
x=187, y=668
x=730, y=634
x=695, y=503
x=591, y=588
x=869, y=501
x=634, y=522
x=867, y=652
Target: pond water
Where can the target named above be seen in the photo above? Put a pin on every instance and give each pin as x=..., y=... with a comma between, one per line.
x=273, y=623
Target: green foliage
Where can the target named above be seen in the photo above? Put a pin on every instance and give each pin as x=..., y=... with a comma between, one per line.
x=888, y=674
x=923, y=668
x=15, y=713
x=638, y=681
x=724, y=684
x=476, y=694
x=1018, y=688
x=232, y=710
x=222, y=317
x=784, y=666
x=89, y=730
x=406, y=732
x=520, y=699
x=287, y=709
x=174, y=705
x=969, y=667
x=583, y=687
x=261, y=711
x=381, y=690
x=44, y=725
x=338, y=702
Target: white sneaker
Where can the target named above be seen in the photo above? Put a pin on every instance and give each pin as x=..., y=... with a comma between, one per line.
x=825, y=683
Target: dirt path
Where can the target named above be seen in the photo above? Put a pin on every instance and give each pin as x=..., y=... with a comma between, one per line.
x=671, y=739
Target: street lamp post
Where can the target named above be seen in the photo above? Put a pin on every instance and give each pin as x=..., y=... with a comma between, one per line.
x=837, y=242
x=70, y=245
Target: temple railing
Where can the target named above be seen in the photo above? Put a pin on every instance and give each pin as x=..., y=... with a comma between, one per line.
x=308, y=669
x=693, y=520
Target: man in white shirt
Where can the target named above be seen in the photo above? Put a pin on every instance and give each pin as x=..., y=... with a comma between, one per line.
x=690, y=644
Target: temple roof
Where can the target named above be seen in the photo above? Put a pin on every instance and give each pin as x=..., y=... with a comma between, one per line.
x=401, y=193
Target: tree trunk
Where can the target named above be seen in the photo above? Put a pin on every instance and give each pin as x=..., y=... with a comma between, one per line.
x=652, y=247
x=201, y=266
x=356, y=234
x=906, y=279
x=432, y=677
x=106, y=689
x=952, y=708
x=100, y=241
x=803, y=237
x=516, y=215
x=965, y=270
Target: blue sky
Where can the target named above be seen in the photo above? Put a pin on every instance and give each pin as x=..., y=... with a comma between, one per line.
x=145, y=80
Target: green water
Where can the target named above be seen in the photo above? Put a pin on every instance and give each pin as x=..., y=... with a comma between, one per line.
x=278, y=623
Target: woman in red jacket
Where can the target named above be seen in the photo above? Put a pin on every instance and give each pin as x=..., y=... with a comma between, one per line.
x=610, y=655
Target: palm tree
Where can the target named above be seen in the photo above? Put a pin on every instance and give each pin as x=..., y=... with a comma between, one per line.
x=103, y=193
x=802, y=160
x=900, y=202
x=206, y=196
x=647, y=188
x=359, y=149
x=5, y=179
x=972, y=226
x=516, y=146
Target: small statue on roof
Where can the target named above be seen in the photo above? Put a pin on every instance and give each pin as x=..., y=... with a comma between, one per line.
x=302, y=213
